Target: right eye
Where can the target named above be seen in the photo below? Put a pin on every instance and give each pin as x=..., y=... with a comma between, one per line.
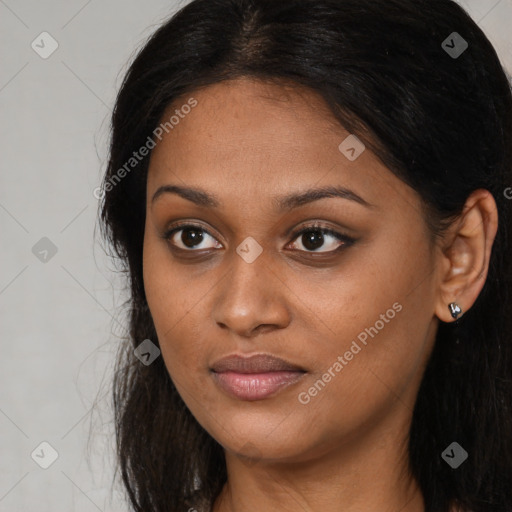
x=191, y=238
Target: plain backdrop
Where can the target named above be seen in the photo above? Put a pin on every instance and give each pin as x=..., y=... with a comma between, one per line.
x=61, y=311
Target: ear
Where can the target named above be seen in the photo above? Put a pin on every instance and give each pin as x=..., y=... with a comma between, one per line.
x=465, y=254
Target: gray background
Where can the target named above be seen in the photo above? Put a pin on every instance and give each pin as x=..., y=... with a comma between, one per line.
x=61, y=319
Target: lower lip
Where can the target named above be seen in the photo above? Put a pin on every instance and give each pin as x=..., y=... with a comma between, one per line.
x=255, y=386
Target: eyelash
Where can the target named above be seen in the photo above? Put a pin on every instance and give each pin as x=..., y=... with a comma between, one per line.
x=347, y=240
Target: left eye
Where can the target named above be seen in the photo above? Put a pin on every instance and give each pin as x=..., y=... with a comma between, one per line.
x=312, y=237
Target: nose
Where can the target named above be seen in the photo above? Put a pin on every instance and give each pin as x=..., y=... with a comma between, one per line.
x=252, y=297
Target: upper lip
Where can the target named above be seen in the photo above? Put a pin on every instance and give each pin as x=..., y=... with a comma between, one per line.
x=258, y=363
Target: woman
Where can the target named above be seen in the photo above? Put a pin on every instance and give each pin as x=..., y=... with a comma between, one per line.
x=311, y=199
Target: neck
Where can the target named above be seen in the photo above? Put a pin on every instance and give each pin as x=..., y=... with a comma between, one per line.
x=368, y=472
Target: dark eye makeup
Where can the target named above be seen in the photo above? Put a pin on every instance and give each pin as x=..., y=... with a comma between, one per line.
x=315, y=230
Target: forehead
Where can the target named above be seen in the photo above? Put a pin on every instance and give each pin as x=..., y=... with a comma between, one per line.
x=267, y=119
x=246, y=138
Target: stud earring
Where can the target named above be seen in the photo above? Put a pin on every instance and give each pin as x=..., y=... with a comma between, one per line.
x=455, y=310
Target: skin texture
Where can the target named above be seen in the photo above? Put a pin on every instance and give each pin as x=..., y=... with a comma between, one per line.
x=247, y=142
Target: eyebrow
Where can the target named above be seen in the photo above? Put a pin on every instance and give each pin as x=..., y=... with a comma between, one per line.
x=287, y=202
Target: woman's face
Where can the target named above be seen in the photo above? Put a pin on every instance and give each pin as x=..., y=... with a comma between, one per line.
x=352, y=309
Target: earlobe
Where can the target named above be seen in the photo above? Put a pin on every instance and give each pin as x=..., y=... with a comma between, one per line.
x=465, y=259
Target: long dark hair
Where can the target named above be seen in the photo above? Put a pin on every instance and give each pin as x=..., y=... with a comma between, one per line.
x=441, y=122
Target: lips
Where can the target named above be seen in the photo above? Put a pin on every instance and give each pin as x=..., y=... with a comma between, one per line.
x=259, y=363
x=256, y=377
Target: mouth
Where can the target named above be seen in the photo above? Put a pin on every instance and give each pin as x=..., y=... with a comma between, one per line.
x=256, y=377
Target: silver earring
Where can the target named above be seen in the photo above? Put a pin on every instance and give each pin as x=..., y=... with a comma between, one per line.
x=455, y=309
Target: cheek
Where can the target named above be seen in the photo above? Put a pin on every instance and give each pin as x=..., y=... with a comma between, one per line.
x=175, y=300
x=182, y=346
x=378, y=322
x=380, y=298
x=364, y=289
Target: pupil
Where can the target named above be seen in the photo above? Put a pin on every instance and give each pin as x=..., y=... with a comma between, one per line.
x=312, y=240
x=191, y=235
